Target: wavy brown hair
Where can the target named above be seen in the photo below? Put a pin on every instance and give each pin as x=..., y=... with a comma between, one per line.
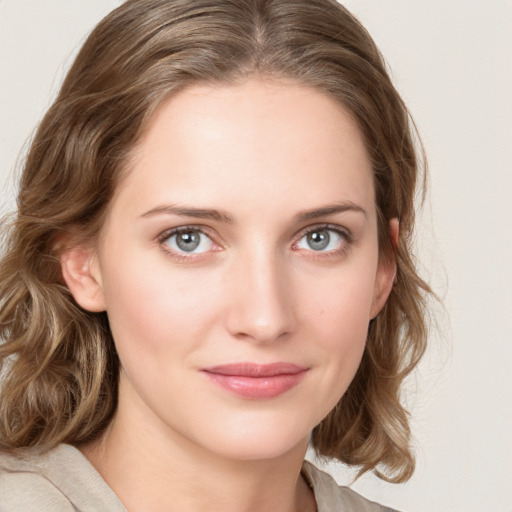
x=59, y=364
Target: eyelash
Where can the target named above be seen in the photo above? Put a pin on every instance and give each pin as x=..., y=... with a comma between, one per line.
x=344, y=234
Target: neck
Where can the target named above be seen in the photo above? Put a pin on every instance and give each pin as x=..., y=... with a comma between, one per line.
x=159, y=470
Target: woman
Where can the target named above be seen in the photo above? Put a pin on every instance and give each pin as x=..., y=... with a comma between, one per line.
x=210, y=267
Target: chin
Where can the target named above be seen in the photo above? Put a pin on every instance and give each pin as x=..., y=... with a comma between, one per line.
x=259, y=439
x=263, y=450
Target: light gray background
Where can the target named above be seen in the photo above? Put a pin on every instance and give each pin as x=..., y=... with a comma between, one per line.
x=451, y=59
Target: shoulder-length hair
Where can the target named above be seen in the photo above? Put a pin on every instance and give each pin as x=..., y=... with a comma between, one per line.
x=59, y=364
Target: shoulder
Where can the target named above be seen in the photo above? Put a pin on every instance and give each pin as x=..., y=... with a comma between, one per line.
x=331, y=497
x=31, y=493
x=24, y=487
x=59, y=480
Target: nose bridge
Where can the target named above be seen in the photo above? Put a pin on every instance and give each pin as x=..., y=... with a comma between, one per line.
x=261, y=303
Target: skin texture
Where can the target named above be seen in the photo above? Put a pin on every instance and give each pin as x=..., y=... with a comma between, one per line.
x=256, y=160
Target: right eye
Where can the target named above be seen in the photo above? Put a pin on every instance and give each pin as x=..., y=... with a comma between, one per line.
x=187, y=241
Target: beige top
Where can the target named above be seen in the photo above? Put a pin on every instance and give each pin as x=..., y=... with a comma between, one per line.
x=63, y=480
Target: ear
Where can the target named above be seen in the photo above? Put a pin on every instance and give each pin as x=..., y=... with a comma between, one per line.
x=386, y=273
x=81, y=272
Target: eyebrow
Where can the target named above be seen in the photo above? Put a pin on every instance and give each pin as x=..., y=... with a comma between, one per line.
x=325, y=211
x=197, y=213
x=222, y=216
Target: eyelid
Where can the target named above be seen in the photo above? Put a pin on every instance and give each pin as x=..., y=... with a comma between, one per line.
x=345, y=232
x=164, y=235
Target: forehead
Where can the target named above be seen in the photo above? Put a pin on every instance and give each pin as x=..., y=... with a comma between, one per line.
x=220, y=143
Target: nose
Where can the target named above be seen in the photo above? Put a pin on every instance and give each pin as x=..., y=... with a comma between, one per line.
x=261, y=305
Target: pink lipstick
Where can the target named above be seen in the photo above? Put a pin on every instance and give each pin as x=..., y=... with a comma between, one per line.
x=256, y=381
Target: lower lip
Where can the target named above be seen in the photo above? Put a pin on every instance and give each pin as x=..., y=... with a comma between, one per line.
x=257, y=388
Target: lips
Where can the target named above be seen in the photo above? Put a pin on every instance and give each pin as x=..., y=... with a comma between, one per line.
x=256, y=381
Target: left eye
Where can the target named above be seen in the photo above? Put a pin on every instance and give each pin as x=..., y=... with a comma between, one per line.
x=321, y=240
x=189, y=241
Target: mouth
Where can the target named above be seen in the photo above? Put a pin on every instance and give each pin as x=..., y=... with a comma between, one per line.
x=256, y=381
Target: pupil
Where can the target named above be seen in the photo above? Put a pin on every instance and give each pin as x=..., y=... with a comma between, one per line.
x=319, y=240
x=187, y=241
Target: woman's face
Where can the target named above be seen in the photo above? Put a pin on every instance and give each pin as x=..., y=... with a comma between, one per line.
x=239, y=267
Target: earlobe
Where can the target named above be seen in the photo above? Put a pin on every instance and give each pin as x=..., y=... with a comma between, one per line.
x=81, y=273
x=386, y=273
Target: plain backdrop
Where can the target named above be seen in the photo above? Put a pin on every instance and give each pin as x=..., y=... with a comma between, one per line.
x=452, y=62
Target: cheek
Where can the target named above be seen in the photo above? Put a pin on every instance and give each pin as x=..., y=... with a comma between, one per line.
x=152, y=312
x=336, y=313
x=339, y=301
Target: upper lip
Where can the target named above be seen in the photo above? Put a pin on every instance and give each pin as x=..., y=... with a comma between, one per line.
x=247, y=369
